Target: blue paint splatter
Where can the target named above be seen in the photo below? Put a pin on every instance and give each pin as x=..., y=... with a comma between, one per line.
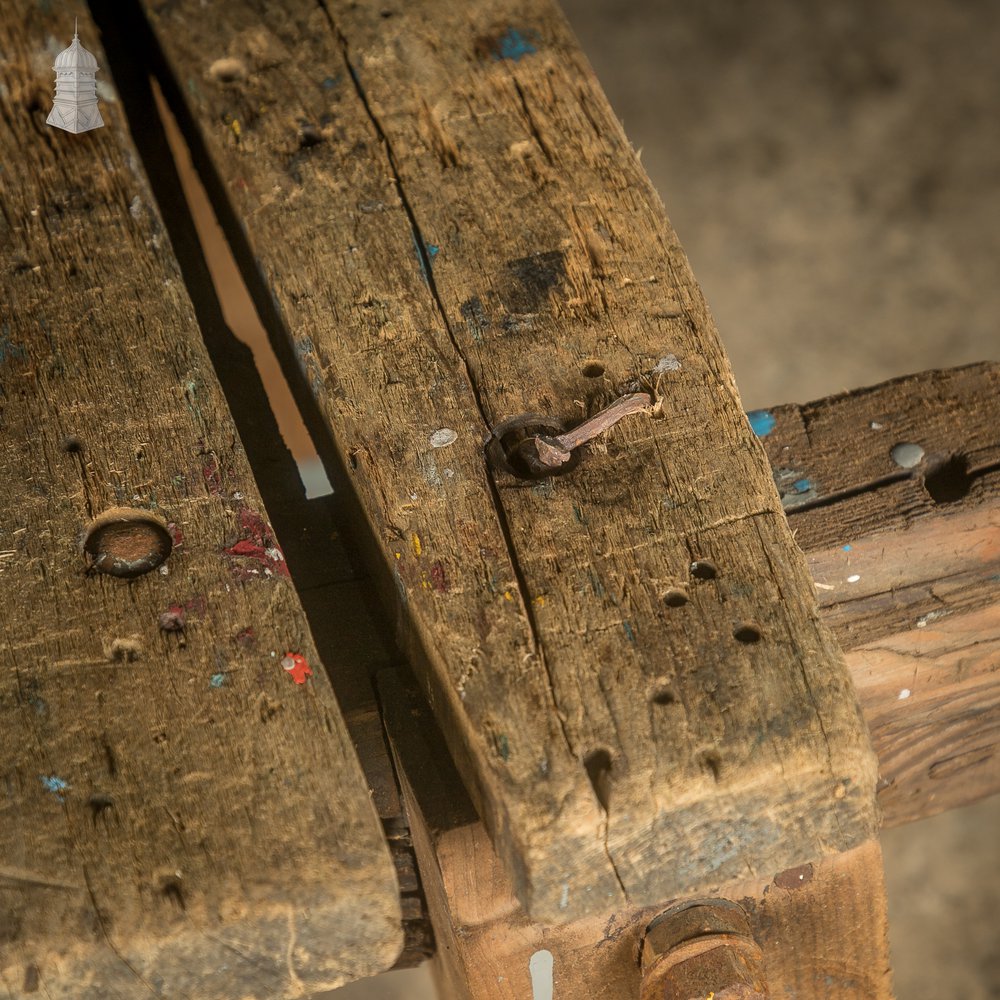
x=9, y=351
x=54, y=785
x=846, y=548
x=802, y=485
x=628, y=631
x=330, y=82
x=514, y=45
x=425, y=254
x=761, y=422
x=217, y=680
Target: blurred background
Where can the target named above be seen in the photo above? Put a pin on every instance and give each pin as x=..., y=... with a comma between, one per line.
x=833, y=171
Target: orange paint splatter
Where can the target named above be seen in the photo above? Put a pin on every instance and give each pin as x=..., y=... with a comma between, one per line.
x=296, y=665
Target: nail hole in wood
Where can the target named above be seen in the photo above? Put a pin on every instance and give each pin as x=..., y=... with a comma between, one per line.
x=71, y=445
x=702, y=570
x=309, y=136
x=592, y=369
x=98, y=804
x=948, y=480
x=747, y=633
x=171, y=889
x=109, y=758
x=711, y=761
x=664, y=696
x=598, y=765
x=126, y=542
x=675, y=598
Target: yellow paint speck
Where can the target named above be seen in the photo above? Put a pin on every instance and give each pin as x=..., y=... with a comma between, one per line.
x=417, y=547
x=235, y=126
x=540, y=601
x=398, y=555
x=506, y=596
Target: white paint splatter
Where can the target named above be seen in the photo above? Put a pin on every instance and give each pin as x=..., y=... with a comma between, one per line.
x=853, y=578
x=905, y=693
x=540, y=968
x=443, y=437
x=666, y=364
x=875, y=426
x=564, y=898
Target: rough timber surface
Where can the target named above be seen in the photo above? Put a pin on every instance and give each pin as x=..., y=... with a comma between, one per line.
x=822, y=926
x=179, y=817
x=437, y=205
x=907, y=568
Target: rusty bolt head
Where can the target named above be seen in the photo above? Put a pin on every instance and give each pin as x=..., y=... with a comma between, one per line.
x=700, y=948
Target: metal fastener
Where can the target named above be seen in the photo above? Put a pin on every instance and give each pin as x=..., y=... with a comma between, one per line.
x=544, y=454
x=702, y=948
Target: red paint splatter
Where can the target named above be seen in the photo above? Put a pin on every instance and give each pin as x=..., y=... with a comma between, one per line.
x=173, y=619
x=438, y=578
x=296, y=665
x=256, y=544
x=176, y=535
x=245, y=637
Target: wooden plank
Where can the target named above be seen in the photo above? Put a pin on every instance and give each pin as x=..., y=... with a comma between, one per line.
x=822, y=926
x=179, y=817
x=438, y=209
x=908, y=577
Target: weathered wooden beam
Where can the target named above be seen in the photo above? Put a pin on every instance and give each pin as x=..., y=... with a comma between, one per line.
x=437, y=210
x=822, y=926
x=182, y=815
x=894, y=493
x=912, y=587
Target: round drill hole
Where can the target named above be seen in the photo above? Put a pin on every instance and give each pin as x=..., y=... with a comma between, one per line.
x=675, y=598
x=949, y=480
x=592, y=369
x=664, y=696
x=126, y=542
x=71, y=445
x=702, y=570
x=748, y=634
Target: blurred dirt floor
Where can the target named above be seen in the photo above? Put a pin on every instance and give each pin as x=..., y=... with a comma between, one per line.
x=833, y=171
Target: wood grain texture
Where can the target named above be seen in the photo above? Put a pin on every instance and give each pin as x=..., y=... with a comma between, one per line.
x=908, y=578
x=445, y=218
x=179, y=817
x=822, y=926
